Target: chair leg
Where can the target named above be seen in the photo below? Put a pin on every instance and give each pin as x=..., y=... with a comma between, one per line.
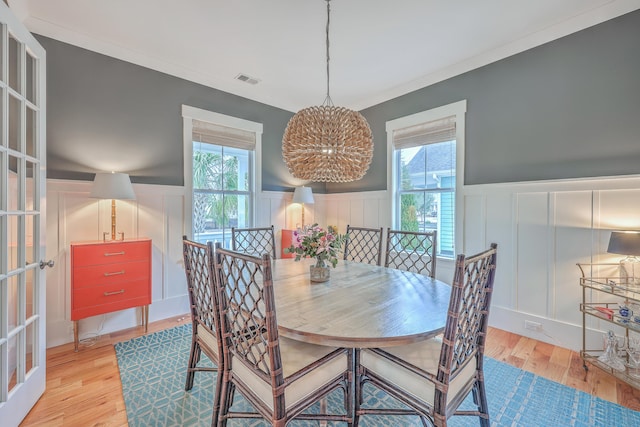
x=438, y=421
x=194, y=357
x=480, y=396
x=226, y=399
x=357, y=388
x=348, y=395
x=349, y=383
x=216, y=398
x=323, y=410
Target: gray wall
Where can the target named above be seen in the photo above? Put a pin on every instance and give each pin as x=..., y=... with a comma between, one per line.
x=104, y=114
x=567, y=109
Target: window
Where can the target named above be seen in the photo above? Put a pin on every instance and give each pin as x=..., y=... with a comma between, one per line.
x=425, y=150
x=221, y=169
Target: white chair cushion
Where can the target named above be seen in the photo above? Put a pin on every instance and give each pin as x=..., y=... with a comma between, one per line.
x=424, y=355
x=295, y=355
x=208, y=339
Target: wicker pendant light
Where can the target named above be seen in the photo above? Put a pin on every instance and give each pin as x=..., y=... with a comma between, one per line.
x=327, y=143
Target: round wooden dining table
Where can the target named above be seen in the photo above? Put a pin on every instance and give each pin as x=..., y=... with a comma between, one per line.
x=360, y=306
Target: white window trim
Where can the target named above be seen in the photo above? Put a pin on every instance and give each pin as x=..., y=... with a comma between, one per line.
x=459, y=109
x=192, y=113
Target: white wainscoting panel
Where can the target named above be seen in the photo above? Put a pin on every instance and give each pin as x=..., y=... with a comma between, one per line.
x=475, y=225
x=572, y=244
x=499, y=228
x=620, y=208
x=542, y=229
x=532, y=251
x=275, y=208
x=366, y=209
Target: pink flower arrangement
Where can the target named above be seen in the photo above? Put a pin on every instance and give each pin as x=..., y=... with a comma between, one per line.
x=315, y=242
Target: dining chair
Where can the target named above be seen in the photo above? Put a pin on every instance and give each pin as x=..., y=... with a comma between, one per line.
x=255, y=241
x=433, y=377
x=363, y=245
x=411, y=251
x=279, y=377
x=206, y=336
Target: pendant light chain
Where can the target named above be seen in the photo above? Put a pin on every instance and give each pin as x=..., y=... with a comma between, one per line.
x=328, y=100
x=326, y=143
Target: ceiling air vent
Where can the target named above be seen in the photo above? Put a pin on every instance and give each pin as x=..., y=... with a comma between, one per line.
x=247, y=79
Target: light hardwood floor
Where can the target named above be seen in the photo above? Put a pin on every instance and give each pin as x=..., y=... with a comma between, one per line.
x=83, y=388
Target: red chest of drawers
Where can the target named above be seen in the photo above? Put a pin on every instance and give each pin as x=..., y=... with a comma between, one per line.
x=286, y=241
x=109, y=276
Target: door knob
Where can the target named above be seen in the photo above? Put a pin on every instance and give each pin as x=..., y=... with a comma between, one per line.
x=44, y=264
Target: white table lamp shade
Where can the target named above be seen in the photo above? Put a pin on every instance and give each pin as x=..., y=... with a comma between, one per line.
x=112, y=185
x=302, y=195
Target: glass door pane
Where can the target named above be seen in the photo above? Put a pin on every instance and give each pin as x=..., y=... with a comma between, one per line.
x=30, y=78
x=14, y=64
x=30, y=139
x=13, y=252
x=14, y=123
x=22, y=231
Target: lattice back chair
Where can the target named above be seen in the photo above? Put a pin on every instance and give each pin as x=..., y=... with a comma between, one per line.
x=254, y=241
x=206, y=335
x=363, y=245
x=280, y=377
x=433, y=377
x=411, y=251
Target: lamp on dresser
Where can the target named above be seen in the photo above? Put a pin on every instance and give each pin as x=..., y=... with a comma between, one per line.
x=110, y=275
x=303, y=195
x=627, y=243
x=112, y=185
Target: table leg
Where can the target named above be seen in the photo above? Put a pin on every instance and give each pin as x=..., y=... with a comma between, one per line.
x=145, y=318
x=75, y=336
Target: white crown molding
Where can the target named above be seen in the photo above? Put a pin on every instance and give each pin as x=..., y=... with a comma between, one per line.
x=579, y=22
x=610, y=10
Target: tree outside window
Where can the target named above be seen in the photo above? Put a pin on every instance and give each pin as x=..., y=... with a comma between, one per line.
x=425, y=149
x=426, y=191
x=221, y=196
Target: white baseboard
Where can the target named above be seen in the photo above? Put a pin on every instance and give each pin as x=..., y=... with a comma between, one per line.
x=59, y=332
x=169, y=308
x=554, y=332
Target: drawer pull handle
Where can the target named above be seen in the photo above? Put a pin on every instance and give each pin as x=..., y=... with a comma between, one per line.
x=113, y=253
x=116, y=273
x=121, y=291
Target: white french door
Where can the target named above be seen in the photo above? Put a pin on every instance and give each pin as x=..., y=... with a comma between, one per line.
x=22, y=219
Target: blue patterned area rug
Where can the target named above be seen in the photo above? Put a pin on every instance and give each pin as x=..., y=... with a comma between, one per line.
x=153, y=370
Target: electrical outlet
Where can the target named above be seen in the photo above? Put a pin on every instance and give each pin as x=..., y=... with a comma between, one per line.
x=532, y=326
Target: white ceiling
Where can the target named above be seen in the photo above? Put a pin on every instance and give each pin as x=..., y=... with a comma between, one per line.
x=379, y=49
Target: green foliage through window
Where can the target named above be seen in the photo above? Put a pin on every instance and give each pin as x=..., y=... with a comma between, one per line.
x=426, y=192
x=221, y=191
